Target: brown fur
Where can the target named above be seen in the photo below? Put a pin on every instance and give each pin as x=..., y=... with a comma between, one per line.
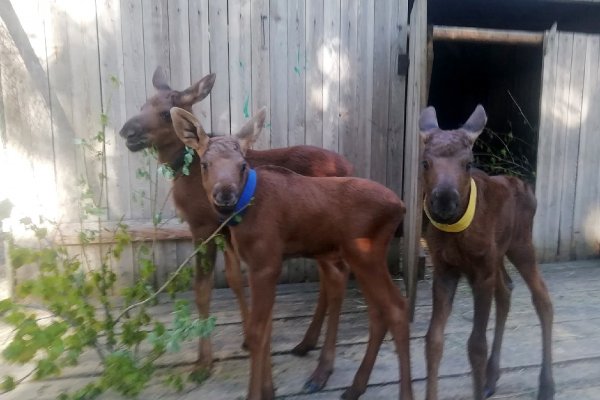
x=340, y=220
x=502, y=225
x=153, y=127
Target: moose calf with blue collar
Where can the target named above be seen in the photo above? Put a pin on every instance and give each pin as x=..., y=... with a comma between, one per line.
x=152, y=128
x=475, y=220
x=340, y=220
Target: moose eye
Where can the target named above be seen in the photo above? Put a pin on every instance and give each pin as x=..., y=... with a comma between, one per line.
x=166, y=116
x=204, y=165
x=469, y=165
x=425, y=164
x=244, y=166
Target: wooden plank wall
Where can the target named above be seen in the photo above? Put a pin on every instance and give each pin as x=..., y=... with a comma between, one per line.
x=567, y=224
x=325, y=69
x=416, y=99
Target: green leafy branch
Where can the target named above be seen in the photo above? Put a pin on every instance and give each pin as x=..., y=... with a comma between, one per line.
x=88, y=314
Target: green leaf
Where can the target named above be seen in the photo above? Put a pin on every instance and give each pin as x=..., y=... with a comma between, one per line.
x=26, y=221
x=94, y=211
x=6, y=305
x=175, y=381
x=141, y=173
x=166, y=171
x=88, y=392
x=15, y=318
x=147, y=269
x=20, y=351
x=41, y=233
x=157, y=218
x=46, y=368
x=20, y=256
x=220, y=242
x=124, y=374
x=8, y=383
x=103, y=122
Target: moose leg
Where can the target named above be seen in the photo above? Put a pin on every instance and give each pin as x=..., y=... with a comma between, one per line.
x=504, y=287
x=444, y=287
x=379, y=290
x=263, y=281
x=311, y=336
x=483, y=289
x=377, y=331
x=235, y=280
x=203, y=284
x=334, y=276
x=268, y=390
x=523, y=257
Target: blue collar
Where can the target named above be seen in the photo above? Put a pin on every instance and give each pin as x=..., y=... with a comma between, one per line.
x=245, y=199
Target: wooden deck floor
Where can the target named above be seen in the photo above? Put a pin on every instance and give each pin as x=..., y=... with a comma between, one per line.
x=575, y=289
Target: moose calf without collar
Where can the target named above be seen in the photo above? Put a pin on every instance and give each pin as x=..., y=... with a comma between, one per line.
x=348, y=220
x=152, y=127
x=476, y=220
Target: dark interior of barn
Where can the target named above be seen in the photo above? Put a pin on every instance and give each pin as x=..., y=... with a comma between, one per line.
x=505, y=78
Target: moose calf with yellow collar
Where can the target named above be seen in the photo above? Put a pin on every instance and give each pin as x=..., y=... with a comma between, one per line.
x=476, y=220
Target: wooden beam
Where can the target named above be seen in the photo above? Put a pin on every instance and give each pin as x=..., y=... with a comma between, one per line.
x=69, y=234
x=477, y=35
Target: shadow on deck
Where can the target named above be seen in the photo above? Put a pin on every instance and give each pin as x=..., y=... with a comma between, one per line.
x=575, y=290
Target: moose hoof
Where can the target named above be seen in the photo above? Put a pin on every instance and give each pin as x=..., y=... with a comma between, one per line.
x=488, y=392
x=245, y=345
x=546, y=393
x=317, y=381
x=311, y=387
x=351, y=394
x=302, y=349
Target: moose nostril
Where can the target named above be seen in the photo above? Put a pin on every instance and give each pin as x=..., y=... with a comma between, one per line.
x=444, y=198
x=224, y=198
x=126, y=132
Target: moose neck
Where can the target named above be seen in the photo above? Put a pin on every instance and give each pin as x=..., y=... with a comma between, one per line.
x=171, y=154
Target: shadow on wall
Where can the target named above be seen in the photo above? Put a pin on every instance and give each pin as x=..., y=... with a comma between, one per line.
x=58, y=74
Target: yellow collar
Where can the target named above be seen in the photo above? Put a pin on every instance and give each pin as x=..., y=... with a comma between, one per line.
x=464, y=222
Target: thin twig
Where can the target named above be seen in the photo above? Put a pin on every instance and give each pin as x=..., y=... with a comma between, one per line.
x=520, y=110
x=503, y=143
x=181, y=266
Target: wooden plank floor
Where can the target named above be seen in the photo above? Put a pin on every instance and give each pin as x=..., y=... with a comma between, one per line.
x=574, y=286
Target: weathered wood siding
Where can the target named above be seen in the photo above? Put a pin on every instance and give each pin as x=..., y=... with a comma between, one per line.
x=326, y=71
x=567, y=224
x=416, y=100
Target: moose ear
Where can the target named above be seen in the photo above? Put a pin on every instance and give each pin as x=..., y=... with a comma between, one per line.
x=251, y=129
x=475, y=123
x=159, y=79
x=189, y=130
x=427, y=123
x=197, y=91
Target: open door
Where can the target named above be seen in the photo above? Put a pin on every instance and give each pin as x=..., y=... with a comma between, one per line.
x=416, y=100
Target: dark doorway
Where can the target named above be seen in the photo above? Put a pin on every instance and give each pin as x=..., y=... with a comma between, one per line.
x=506, y=80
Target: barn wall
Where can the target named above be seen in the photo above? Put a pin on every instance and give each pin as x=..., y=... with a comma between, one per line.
x=567, y=224
x=325, y=69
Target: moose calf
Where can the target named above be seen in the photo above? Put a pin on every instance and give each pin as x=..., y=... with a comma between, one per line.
x=476, y=220
x=286, y=215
